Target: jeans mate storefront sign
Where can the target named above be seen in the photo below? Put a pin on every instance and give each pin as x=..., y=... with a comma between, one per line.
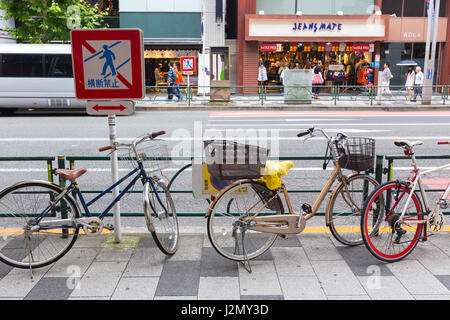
x=302, y=26
x=274, y=27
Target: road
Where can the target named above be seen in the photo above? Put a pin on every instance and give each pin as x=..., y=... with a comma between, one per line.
x=44, y=135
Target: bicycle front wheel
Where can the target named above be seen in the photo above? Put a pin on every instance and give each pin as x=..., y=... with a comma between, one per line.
x=25, y=243
x=161, y=216
x=227, y=229
x=388, y=237
x=346, y=205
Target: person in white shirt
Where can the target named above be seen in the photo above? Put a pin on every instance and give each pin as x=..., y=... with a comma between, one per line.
x=386, y=77
x=262, y=73
x=409, y=85
x=418, y=83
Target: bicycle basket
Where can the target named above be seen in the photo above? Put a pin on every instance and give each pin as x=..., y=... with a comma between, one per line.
x=229, y=160
x=355, y=153
x=153, y=153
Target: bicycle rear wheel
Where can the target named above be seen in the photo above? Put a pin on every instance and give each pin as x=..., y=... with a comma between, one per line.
x=23, y=244
x=227, y=229
x=161, y=216
x=346, y=208
x=386, y=237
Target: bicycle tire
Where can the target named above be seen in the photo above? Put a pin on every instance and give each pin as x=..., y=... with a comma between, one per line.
x=378, y=228
x=225, y=201
x=159, y=220
x=347, y=230
x=28, y=197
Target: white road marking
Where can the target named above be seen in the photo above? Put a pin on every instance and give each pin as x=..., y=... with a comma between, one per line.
x=206, y=137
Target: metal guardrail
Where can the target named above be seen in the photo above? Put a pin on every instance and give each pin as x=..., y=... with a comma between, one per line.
x=275, y=93
x=379, y=171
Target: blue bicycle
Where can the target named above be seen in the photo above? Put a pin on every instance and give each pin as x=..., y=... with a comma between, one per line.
x=40, y=221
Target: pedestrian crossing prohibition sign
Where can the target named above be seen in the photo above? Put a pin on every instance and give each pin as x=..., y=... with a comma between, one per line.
x=108, y=64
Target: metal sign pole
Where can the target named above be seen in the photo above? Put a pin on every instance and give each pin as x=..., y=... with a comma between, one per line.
x=430, y=51
x=115, y=178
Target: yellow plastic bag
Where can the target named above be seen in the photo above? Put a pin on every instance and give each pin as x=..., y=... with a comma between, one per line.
x=273, y=172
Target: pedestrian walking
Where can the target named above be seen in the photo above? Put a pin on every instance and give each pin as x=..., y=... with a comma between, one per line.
x=177, y=82
x=158, y=75
x=409, y=85
x=262, y=75
x=317, y=79
x=281, y=71
x=171, y=78
x=418, y=84
x=386, y=80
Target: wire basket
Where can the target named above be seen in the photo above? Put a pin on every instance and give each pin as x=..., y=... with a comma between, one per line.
x=153, y=153
x=229, y=160
x=355, y=153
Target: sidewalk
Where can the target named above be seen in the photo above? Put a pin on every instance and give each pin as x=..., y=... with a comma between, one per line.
x=326, y=102
x=307, y=266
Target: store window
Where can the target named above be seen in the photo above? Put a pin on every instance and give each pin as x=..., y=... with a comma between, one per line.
x=396, y=52
x=414, y=8
x=393, y=7
x=410, y=8
x=315, y=7
x=344, y=63
x=276, y=7
x=355, y=6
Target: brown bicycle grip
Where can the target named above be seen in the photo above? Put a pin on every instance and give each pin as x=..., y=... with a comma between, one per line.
x=156, y=134
x=105, y=148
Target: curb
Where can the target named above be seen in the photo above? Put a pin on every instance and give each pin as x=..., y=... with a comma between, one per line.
x=295, y=108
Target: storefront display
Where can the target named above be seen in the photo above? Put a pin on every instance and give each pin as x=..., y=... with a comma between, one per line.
x=157, y=64
x=343, y=63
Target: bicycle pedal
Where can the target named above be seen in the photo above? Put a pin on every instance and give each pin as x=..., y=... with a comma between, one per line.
x=109, y=227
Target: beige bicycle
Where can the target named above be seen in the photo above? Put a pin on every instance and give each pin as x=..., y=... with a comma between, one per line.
x=246, y=217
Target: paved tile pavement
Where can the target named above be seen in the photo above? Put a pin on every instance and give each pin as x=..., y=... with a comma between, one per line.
x=304, y=267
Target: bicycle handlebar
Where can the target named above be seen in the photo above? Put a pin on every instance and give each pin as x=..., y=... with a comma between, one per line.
x=153, y=135
x=105, y=148
x=443, y=142
x=138, y=140
x=309, y=131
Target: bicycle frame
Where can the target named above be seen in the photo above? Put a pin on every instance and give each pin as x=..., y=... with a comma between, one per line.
x=141, y=174
x=418, y=181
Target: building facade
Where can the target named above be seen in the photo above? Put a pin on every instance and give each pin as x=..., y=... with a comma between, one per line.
x=173, y=29
x=349, y=37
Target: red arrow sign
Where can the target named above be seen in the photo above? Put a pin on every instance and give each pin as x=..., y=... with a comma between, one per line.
x=99, y=108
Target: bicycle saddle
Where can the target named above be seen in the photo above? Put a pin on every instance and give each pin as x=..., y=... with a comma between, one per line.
x=70, y=174
x=406, y=143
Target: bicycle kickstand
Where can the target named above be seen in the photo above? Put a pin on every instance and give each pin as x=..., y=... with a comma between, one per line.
x=246, y=262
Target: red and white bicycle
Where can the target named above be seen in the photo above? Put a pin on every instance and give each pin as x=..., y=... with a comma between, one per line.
x=394, y=219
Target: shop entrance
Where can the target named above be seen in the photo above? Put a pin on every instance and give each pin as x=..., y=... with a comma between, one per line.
x=344, y=64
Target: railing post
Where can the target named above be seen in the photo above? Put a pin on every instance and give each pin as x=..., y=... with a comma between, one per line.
x=371, y=95
x=189, y=94
x=50, y=170
x=72, y=167
x=379, y=168
x=62, y=183
x=444, y=94
x=262, y=95
x=335, y=93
